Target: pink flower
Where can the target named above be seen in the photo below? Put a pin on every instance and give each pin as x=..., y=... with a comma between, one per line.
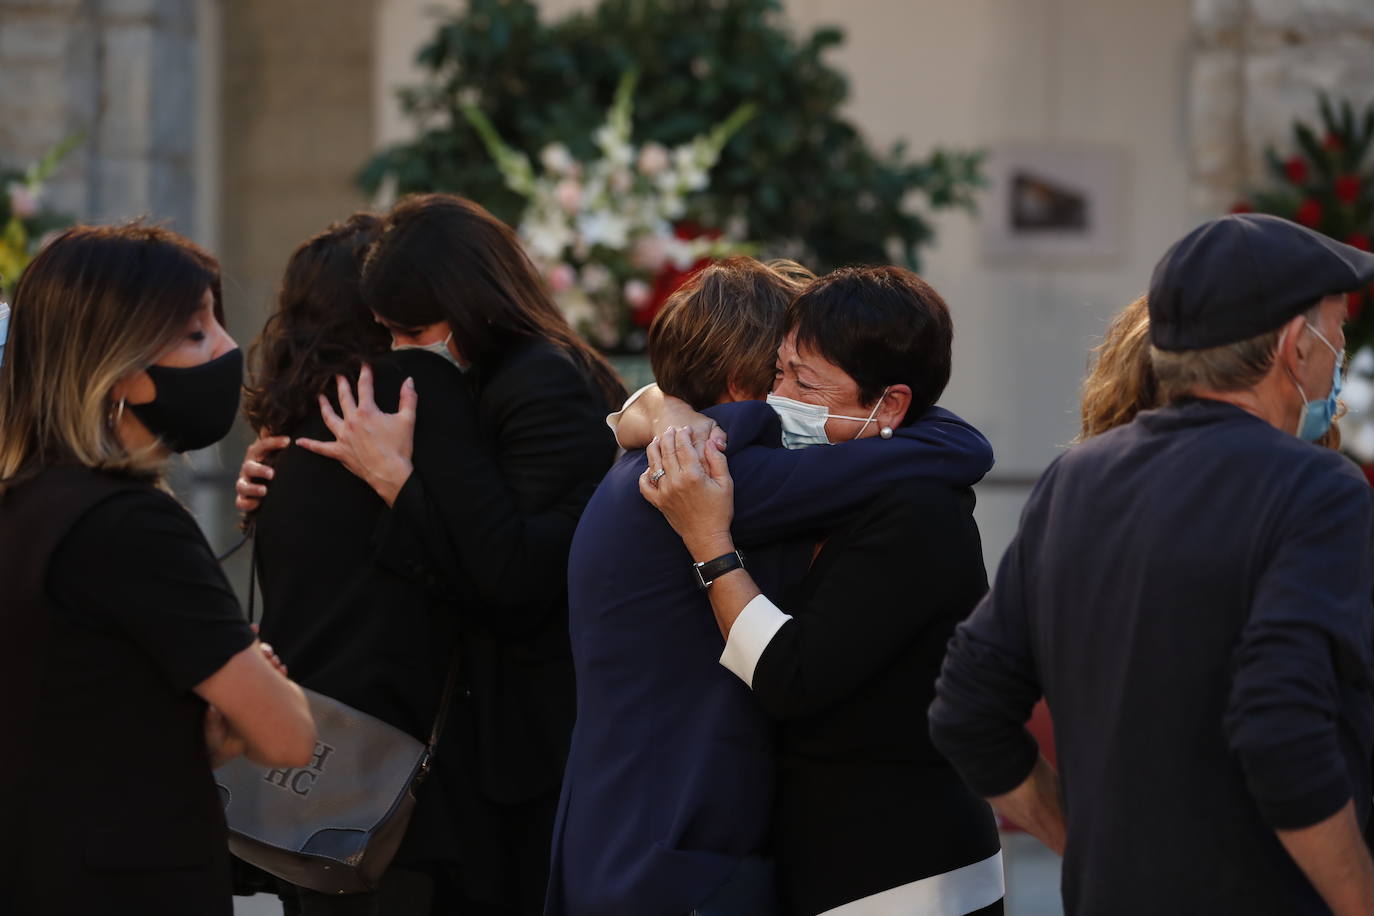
x=638, y=293
x=568, y=194
x=653, y=159
x=620, y=181
x=23, y=202
x=649, y=253
x=562, y=277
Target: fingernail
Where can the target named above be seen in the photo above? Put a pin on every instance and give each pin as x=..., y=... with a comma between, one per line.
x=410, y=383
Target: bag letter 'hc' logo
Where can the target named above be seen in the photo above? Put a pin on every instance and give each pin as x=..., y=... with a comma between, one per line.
x=302, y=780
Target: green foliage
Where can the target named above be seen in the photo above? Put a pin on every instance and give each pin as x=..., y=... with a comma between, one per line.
x=798, y=172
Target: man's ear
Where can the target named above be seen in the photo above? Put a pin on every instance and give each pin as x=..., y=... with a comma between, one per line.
x=896, y=402
x=1291, y=351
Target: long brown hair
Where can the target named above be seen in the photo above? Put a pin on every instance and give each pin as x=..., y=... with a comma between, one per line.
x=321, y=327
x=441, y=257
x=98, y=303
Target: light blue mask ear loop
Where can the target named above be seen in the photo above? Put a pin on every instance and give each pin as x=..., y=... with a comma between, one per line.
x=1316, y=417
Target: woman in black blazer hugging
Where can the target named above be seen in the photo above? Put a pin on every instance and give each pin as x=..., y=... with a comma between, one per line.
x=484, y=513
x=870, y=818
x=127, y=669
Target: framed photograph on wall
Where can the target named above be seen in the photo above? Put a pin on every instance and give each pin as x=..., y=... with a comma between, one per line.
x=1053, y=202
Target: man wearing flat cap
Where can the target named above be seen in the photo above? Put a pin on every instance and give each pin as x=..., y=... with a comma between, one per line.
x=1191, y=592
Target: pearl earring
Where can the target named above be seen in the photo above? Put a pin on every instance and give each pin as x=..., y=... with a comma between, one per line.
x=885, y=432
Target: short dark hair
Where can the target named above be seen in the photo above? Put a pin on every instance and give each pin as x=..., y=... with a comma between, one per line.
x=722, y=327
x=883, y=326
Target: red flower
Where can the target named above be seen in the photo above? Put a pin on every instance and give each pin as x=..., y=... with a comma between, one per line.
x=1309, y=213
x=1358, y=240
x=1296, y=169
x=1333, y=143
x=1348, y=188
x=1242, y=206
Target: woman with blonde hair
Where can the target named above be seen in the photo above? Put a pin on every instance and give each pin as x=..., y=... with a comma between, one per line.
x=128, y=670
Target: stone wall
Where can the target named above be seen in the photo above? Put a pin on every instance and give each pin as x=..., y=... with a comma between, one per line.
x=122, y=73
x=1257, y=65
x=296, y=124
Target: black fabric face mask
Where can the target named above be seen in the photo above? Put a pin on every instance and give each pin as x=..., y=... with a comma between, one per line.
x=194, y=407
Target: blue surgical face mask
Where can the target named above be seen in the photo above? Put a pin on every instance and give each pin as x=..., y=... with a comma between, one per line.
x=803, y=424
x=4, y=327
x=438, y=348
x=1316, y=416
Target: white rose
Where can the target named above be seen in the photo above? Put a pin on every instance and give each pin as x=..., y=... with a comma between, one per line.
x=568, y=195
x=649, y=253
x=637, y=293
x=595, y=278
x=23, y=201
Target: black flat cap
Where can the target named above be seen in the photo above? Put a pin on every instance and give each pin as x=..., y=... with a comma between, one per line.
x=1244, y=275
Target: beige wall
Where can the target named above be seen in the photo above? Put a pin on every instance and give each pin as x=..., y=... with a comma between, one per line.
x=296, y=123
x=980, y=73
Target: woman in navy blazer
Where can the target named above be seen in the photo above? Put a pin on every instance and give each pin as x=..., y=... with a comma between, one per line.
x=668, y=794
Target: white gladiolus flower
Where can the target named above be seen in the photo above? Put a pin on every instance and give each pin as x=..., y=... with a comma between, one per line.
x=604, y=228
x=556, y=158
x=595, y=278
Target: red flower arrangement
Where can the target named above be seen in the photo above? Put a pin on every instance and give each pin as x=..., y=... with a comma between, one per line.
x=1323, y=183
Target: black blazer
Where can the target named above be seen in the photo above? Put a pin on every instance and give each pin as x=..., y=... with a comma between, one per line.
x=366, y=604
x=865, y=802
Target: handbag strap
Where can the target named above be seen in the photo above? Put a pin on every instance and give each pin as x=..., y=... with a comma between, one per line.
x=454, y=668
x=446, y=698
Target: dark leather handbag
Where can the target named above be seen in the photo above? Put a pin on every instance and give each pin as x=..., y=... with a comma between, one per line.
x=333, y=825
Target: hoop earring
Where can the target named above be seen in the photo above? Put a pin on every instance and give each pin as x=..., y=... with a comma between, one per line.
x=885, y=432
x=116, y=414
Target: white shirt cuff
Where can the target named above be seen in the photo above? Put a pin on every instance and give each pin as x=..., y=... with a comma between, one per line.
x=613, y=419
x=754, y=629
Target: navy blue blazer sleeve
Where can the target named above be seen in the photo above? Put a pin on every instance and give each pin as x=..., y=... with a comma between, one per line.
x=780, y=493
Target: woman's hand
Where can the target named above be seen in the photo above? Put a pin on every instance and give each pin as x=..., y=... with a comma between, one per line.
x=655, y=410
x=248, y=490
x=374, y=445
x=688, y=480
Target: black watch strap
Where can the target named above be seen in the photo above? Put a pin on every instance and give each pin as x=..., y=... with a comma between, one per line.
x=712, y=570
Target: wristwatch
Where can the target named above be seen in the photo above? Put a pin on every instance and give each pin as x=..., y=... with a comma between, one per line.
x=712, y=570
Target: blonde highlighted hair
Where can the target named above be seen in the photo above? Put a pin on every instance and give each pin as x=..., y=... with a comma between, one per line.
x=1121, y=382
x=97, y=304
